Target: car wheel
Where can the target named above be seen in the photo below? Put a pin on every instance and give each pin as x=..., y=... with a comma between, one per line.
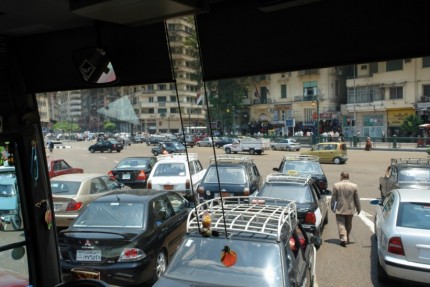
x=227, y=150
x=288, y=149
x=326, y=219
x=118, y=150
x=109, y=150
x=259, y=152
x=252, y=151
x=92, y=150
x=337, y=160
x=273, y=147
x=155, y=153
x=16, y=221
x=160, y=266
x=198, y=144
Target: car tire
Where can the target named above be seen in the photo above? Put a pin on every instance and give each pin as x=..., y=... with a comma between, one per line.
x=259, y=152
x=160, y=266
x=92, y=150
x=109, y=150
x=337, y=160
x=155, y=153
x=288, y=149
x=228, y=151
x=326, y=219
x=252, y=151
x=273, y=147
x=118, y=150
x=16, y=221
x=198, y=144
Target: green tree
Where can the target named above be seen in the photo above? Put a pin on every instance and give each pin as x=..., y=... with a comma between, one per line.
x=67, y=127
x=411, y=124
x=109, y=126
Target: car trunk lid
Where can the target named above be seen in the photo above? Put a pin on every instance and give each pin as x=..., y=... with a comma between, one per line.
x=416, y=244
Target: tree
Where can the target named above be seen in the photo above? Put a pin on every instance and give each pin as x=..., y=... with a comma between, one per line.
x=109, y=126
x=411, y=124
x=66, y=126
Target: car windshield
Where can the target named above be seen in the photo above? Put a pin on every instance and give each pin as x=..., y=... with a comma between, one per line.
x=414, y=175
x=7, y=189
x=414, y=215
x=65, y=187
x=112, y=215
x=133, y=162
x=294, y=192
x=227, y=174
x=309, y=167
x=198, y=260
x=170, y=169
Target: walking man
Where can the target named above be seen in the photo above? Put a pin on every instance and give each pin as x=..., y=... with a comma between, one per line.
x=345, y=202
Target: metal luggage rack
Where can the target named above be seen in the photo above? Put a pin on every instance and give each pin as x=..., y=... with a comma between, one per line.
x=243, y=214
x=230, y=158
x=286, y=177
x=410, y=161
x=183, y=156
x=302, y=157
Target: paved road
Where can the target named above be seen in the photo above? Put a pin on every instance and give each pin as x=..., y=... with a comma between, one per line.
x=336, y=266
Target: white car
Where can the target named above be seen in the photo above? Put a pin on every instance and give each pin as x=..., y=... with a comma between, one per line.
x=286, y=144
x=402, y=229
x=175, y=172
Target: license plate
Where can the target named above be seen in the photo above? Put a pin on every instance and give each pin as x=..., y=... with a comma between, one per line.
x=89, y=255
x=223, y=194
x=57, y=206
x=126, y=176
x=168, y=187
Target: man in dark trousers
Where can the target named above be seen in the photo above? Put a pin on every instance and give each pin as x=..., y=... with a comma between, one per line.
x=345, y=202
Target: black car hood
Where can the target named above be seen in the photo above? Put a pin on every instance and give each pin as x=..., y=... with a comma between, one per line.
x=166, y=282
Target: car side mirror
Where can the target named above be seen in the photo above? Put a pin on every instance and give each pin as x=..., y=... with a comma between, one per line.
x=276, y=168
x=315, y=240
x=376, y=202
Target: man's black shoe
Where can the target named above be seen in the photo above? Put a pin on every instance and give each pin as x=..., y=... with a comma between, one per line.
x=343, y=243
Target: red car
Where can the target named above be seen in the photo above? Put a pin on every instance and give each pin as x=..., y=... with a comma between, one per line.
x=58, y=167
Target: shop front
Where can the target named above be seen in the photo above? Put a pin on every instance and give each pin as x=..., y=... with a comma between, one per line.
x=395, y=118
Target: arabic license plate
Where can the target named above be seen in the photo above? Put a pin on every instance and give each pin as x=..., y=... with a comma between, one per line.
x=223, y=194
x=126, y=176
x=168, y=187
x=57, y=206
x=89, y=255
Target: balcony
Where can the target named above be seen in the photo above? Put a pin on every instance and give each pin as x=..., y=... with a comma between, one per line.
x=308, y=72
x=308, y=98
x=267, y=101
x=425, y=99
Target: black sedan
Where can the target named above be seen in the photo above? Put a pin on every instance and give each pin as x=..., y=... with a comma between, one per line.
x=133, y=171
x=106, y=146
x=126, y=238
x=224, y=140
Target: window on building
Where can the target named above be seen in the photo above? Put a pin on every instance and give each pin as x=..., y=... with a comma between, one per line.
x=162, y=111
x=426, y=62
x=161, y=99
x=283, y=91
x=174, y=110
x=394, y=65
x=151, y=99
x=310, y=90
x=396, y=93
x=161, y=87
x=172, y=99
x=151, y=111
x=426, y=90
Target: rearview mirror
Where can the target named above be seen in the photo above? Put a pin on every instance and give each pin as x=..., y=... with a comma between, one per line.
x=95, y=66
x=375, y=202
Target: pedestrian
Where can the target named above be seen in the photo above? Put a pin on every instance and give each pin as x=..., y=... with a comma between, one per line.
x=369, y=144
x=345, y=201
x=164, y=151
x=51, y=146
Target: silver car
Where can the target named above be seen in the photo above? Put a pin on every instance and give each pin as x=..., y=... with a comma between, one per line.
x=286, y=144
x=402, y=229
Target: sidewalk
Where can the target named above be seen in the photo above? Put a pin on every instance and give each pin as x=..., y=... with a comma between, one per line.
x=388, y=146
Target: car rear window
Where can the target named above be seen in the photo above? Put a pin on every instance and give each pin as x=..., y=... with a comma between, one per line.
x=140, y=163
x=227, y=174
x=65, y=187
x=112, y=214
x=302, y=167
x=414, y=175
x=414, y=215
x=170, y=169
x=294, y=192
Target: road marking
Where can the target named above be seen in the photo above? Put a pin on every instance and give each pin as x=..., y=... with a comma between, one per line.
x=102, y=157
x=364, y=217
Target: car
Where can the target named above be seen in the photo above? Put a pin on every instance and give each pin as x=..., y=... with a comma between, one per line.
x=234, y=243
x=155, y=140
x=230, y=175
x=223, y=140
x=402, y=231
x=189, y=140
x=312, y=202
x=58, y=167
x=286, y=144
x=106, y=146
x=9, y=200
x=71, y=193
x=206, y=141
x=405, y=173
x=181, y=173
x=303, y=164
x=329, y=152
x=127, y=237
x=170, y=146
x=133, y=171
x=137, y=139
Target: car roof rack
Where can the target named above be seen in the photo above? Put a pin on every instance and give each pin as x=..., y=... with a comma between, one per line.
x=225, y=158
x=410, y=161
x=280, y=176
x=181, y=156
x=246, y=215
x=302, y=157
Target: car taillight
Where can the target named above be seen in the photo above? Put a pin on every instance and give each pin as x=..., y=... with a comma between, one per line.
x=200, y=190
x=187, y=184
x=149, y=185
x=131, y=254
x=310, y=218
x=73, y=206
x=141, y=175
x=111, y=175
x=246, y=191
x=395, y=246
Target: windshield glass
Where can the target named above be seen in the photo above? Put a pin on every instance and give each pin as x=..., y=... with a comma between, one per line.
x=227, y=174
x=414, y=175
x=299, y=194
x=133, y=162
x=198, y=259
x=112, y=214
x=65, y=187
x=303, y=167
x=170, y=169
